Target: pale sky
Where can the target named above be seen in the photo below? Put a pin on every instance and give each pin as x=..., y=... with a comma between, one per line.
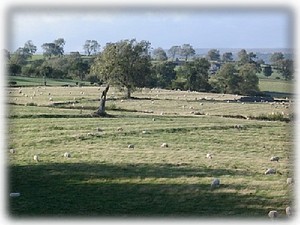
x=202, y=28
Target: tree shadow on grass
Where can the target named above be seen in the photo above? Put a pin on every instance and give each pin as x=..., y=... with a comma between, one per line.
x=134, y=190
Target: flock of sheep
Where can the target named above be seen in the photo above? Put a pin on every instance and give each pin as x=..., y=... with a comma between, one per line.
x=215, y=182
x=273, y=213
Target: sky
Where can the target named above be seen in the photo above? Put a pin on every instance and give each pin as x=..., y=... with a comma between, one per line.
x=202, y=28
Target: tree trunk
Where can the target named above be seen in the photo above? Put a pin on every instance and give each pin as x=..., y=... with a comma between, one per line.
x=101, y=109
x=128, y=93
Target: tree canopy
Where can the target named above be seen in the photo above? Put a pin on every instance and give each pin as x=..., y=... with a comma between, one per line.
x=214, y=55
x=196, y=75
x=91, y=47
x=159, y=54
x=125, y=63
x=187, y=51
x=55, y=48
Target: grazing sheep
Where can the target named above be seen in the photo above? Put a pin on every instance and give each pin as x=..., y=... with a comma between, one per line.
x=209, y=156
x=12, y=151
x=288, y=211
x=215, y=183
x=164, y=145
x=238, y=126
x=274, y=158
x=67, y=155
x=153, y=119
x=120, y=129
x=36, y=158
x=273, y=214
x=145, y=132
x=289, y=180
x=131, y=146
x=99, y=129
x=50, y=99
x=270, y=171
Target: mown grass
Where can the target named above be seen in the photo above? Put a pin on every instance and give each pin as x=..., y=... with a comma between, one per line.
x=104, y=177
x=39, y=81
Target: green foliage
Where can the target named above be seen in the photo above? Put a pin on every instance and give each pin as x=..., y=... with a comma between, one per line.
x=125, y=63
x=91, y=47
x=55, y=48
x=236, y=81
x=276, y=57
x=227, y=57
x=173, y=51
x=213, y=55
x=159, y=54
x=195, y=74
x=227, y=79
x=267, y=70
x=187, y=51
x=286, y=67
x=164, y=73
x=249, y=81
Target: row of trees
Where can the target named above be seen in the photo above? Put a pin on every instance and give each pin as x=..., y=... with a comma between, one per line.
x=130, y=64
x=127, y=64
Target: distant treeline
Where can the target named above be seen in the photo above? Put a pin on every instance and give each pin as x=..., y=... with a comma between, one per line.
x=130, y=64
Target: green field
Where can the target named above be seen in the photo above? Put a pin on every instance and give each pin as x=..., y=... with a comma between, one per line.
x=38, y=81
x=103, y=177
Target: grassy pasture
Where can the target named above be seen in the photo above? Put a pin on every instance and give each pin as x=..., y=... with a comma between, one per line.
x=37, y=81
x=104, y=177
x=277, y=88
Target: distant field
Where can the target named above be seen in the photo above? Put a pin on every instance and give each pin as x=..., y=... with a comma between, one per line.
x=103, y=177
x=38, y=81
x=277, y=87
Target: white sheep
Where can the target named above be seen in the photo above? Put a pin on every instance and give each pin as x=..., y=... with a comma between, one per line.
x=164, y=145
x=50, y=99
x=270, y=171
x=12, y=151
x=215, y=183
x=209, y=156
x=120, y=129
x=145, y=132
x=288, y=211
x=274, y=158
x=289, y=180
x=36, y=158
x=67, y=155
x=131, y=146
x=273, y=214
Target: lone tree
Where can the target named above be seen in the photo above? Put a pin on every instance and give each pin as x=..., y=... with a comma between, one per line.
x=213, y=55
x=187, y=51
x=55, y=48
x=91, y=47
x=173, y=51
x=125, y=64
x=160, y=54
